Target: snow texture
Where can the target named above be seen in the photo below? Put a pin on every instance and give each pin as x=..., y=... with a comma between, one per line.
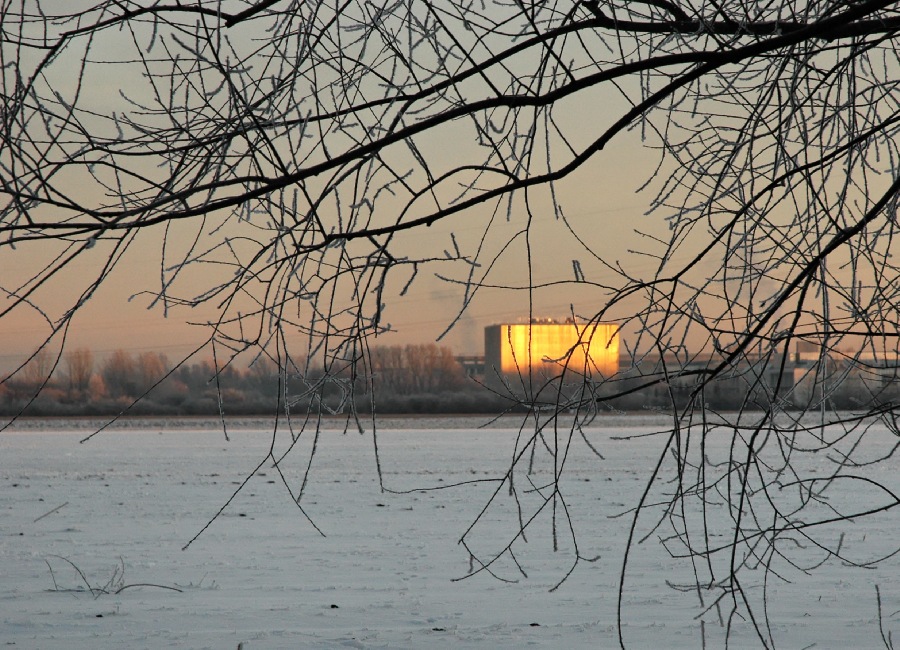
x=116, y=511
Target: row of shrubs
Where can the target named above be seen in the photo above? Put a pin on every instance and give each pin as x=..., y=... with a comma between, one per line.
x=425, y=403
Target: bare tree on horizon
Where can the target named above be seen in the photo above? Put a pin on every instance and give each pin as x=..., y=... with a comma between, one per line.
x=307, y=163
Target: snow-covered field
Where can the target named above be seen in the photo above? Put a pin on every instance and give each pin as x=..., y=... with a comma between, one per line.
x=113, y=515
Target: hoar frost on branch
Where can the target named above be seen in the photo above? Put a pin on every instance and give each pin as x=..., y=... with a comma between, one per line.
x=292, y=156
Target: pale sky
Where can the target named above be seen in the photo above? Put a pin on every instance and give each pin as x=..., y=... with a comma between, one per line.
x=117, y=318
x=599, y=201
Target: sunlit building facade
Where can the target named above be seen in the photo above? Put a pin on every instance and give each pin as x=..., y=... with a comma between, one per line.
x=543, y=349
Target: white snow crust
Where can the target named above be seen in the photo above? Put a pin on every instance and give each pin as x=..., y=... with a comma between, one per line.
x=385, y=575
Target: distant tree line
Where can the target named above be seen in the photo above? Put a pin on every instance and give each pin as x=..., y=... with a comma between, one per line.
x=397, y=379
x=407, y=379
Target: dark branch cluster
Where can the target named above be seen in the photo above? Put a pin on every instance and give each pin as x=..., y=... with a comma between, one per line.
x=299, y=165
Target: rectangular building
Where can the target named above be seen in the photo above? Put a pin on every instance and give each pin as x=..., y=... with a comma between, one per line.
x=543, y=349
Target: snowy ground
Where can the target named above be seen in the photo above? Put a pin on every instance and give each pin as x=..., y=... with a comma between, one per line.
x=383, y=576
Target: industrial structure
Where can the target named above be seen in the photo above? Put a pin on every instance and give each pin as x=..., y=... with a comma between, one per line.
x=545, y=348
